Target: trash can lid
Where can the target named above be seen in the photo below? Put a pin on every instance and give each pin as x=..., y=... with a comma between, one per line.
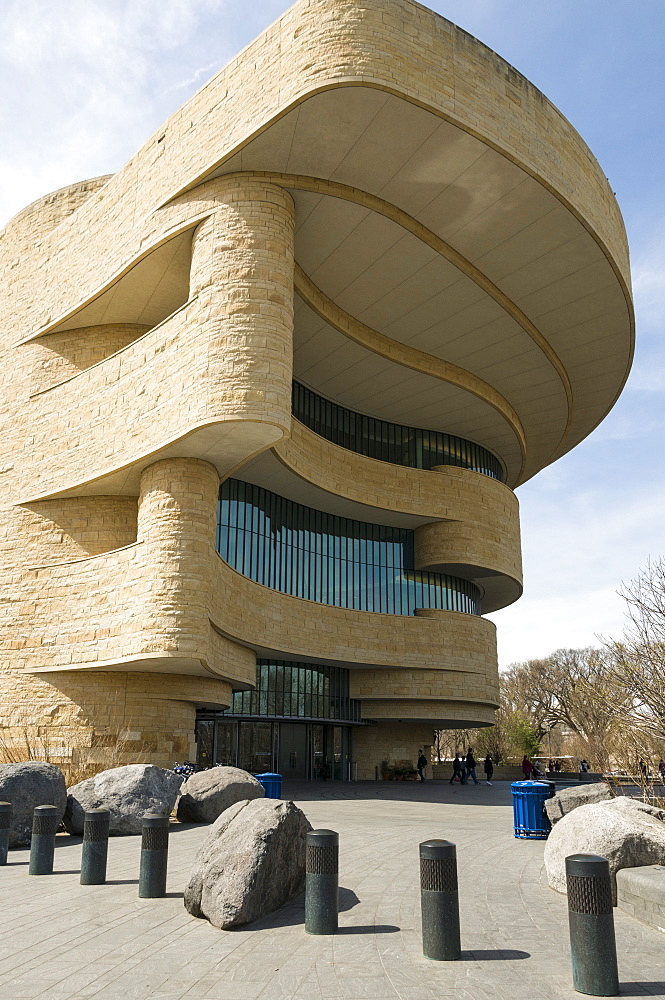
x=528, y=785
x=268, y=774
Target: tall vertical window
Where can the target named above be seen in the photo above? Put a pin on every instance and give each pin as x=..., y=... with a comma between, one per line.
x=333, y=560
x=395, y=443
x=298, y=690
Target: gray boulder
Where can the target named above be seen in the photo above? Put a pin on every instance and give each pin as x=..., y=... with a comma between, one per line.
x=206, y=794
x=251, y=863
x=627, y=832
x=27, y=785
x=129, y=793
x=570, y=798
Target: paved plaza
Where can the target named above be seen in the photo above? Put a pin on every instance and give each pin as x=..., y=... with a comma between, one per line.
x=63, y=941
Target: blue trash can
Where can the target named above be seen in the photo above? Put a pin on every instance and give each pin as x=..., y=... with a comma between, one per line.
x=272, y=784
x=529, y=816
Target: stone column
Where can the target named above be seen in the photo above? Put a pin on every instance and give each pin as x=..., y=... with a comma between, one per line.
x=242, y=276
x=177, y=522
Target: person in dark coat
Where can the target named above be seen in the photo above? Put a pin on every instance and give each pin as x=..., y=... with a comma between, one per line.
x=488, y=768
x=422, y=763
x=527, y=767
x=470, y=768
x=457, y=763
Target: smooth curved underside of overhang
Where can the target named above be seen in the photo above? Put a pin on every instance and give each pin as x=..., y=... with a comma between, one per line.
x=427, y=236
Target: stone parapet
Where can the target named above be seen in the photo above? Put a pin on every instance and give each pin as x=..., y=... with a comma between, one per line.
x=641, y=893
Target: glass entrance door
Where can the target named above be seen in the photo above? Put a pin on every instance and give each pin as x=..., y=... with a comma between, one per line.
x=255, y=752
x=293, y=751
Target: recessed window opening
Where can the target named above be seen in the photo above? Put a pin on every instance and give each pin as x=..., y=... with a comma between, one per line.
x=333, y=560
x=395, y=443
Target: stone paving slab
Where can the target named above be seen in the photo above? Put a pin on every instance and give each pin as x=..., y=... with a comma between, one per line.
x=64, y=941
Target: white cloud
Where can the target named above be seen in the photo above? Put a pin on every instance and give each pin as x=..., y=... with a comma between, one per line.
x=201, y=73
x=85, y=83
x=580, y=544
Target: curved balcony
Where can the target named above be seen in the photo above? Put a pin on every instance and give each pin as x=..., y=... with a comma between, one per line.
x=466, y=524
x=395, y=443
x=329, y=559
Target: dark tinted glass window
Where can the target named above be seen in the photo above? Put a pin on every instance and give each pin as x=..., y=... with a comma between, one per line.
x=298, y=690
x=388, y=442
x=333, y=560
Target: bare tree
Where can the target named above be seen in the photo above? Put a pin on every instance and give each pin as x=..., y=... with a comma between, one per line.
x=572, y=691
x=639, y=659
x=448, y=742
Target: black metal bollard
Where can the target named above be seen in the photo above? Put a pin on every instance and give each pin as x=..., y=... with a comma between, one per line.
x=321, y=882
x=95, y=846
x=591, y=921
x=42, y=845
x=154, y=856
x=439, y=900
x=5, y=823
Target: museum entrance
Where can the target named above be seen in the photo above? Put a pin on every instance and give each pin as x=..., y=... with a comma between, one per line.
x=298, y=721
x=296, y=750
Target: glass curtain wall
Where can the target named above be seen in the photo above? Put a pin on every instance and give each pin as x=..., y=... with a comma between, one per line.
x=294, y=749
x=395, y=443
x=333, y=560
x=298, y=691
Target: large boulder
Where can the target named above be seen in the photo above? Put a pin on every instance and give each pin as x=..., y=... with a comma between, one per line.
x=27, y=785
x=206, y=794
x=570, y=798
x=251, y=863
x=129, y=793
x=627, y=832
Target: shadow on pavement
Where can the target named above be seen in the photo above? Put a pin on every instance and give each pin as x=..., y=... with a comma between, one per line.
x=642, y=989
x=499, y=794
x=347, y=899
x=370, y=929
x=494, y=955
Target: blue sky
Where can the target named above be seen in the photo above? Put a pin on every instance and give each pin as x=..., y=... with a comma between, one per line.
x=85, y=82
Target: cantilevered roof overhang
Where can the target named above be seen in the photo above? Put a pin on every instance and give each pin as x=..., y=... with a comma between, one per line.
x=461, y=260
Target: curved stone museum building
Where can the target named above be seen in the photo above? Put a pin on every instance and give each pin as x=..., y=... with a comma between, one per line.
x=268, y=391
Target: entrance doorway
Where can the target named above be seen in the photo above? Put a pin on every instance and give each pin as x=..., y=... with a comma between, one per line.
x=293, y=757
x=297, y=750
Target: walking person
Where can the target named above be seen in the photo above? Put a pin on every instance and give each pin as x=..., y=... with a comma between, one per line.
x=488, y=768
x=661, y=769
x=456, y=768
x=527, y=767
x=422, y=764
x=471, y=767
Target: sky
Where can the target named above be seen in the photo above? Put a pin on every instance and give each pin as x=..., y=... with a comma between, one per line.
x=83, y=83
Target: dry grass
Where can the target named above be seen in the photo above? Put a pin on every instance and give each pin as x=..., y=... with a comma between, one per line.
x=79, y=756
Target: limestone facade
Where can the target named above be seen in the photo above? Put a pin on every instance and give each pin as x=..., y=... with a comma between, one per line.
x=277, y=227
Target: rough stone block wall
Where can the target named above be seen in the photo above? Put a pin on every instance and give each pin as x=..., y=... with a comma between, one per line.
x=60, y=356
x=392, y=741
